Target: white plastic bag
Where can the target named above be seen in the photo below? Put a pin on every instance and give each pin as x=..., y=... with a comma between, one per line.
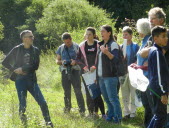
x=137, y=79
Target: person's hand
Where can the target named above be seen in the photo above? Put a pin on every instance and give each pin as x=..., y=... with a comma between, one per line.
x=19, y=71
x=63, y=61
x=164, y=99
x=145, y=63
x=73, y=62
x=92, y=69
x=86, y=69
x=104, y=49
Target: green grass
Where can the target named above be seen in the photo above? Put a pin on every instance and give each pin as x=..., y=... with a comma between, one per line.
x=49, y=81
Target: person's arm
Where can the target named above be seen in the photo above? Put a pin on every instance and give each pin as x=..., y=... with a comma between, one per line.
x=58, y=60
x=144, y=52
x=34, y=65
x=161, y=81
x=79, y=60
x=9, y=60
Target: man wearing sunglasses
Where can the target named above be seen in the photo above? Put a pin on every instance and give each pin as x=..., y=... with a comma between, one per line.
x=23, y=61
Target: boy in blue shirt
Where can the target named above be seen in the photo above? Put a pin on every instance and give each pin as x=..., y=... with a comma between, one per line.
x=128, y=92
x=158, y=77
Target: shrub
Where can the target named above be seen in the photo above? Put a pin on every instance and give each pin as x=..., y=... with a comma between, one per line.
x=1, y=31
x=68, y=15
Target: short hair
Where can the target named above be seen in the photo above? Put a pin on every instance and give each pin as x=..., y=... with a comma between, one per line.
x=128, y=30
x=24, y=32
x=143, y=26
x=66, y=36
x=158, y=12
x=157, y=30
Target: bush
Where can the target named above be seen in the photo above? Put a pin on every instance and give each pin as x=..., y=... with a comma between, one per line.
x=68, y=15
x=1, y=31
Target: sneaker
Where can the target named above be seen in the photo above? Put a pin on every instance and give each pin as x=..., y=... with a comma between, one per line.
x=104, y=117
x=126, y=117
x=49, y=125
x=82, y=114
x=108, y=119
x=132, y=115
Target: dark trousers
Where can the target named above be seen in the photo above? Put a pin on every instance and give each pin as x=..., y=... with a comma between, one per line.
x=147, y=102
x=160, y=114
x=76, y=83
x=93, y=104
x=23, y=85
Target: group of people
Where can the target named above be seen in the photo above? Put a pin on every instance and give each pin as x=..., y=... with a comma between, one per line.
x=102, y=58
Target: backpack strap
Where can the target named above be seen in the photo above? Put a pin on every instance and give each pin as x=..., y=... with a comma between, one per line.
x=74, y=47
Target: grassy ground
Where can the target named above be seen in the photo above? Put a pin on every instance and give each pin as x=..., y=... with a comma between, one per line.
x=49, y=81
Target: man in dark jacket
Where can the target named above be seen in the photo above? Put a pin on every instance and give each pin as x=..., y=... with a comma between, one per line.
x=23, y=61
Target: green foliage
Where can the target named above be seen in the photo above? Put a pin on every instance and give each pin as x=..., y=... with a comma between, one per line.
x=12, y=13
x=34, y=12
x=167, y=13
x=130, y=9
x=1, y=31
x=61, y=16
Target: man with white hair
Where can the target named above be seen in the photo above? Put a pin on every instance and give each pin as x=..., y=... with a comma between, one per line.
x=144, y=30
x=156, y=17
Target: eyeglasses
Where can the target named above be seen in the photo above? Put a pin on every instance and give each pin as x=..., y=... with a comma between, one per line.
x=28, y=36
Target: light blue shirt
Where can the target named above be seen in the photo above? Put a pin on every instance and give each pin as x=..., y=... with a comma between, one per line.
x=140, y=60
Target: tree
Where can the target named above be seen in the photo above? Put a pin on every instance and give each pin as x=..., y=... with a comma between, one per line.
x=12, y=13
x=61, y=16
x=1, y=31
x=129, y=9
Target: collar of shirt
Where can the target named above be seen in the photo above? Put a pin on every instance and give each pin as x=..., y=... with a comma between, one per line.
x=157, y=46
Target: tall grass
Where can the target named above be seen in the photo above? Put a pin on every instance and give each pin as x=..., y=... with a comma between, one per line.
x=49, y=80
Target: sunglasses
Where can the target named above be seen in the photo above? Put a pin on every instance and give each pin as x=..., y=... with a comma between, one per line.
x=28, y=36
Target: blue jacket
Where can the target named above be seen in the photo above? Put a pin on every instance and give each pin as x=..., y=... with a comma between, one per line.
x=158, y=71
x=141, y=60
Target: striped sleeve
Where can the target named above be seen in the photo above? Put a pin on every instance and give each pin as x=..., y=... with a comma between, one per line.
x=158, y=72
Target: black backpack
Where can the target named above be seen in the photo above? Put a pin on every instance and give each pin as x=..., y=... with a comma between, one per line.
x=122, y=64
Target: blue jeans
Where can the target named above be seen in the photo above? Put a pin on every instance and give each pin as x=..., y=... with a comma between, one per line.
x=25, y=84
x=108, y=87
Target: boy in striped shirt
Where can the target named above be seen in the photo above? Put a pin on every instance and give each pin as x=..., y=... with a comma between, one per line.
x=158, y=77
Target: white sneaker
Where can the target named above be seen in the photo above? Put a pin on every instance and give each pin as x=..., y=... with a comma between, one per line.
x=132, y=115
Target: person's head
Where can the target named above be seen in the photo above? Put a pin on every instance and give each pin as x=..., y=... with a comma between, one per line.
x=90, y=33
x=143, y=27
x=107, y=32
x=67, y=39
x=159, y=35
x=156, y=16
x=27, y=37
x=127, y=33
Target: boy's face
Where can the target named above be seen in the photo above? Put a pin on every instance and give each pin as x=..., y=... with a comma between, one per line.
x=162, y=39
x=127, y=36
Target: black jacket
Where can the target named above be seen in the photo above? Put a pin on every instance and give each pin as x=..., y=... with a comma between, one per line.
x=109, y=67
x=14, y=59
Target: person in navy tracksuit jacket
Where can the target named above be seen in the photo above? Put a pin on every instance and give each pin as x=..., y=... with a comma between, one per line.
x=158, y=77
